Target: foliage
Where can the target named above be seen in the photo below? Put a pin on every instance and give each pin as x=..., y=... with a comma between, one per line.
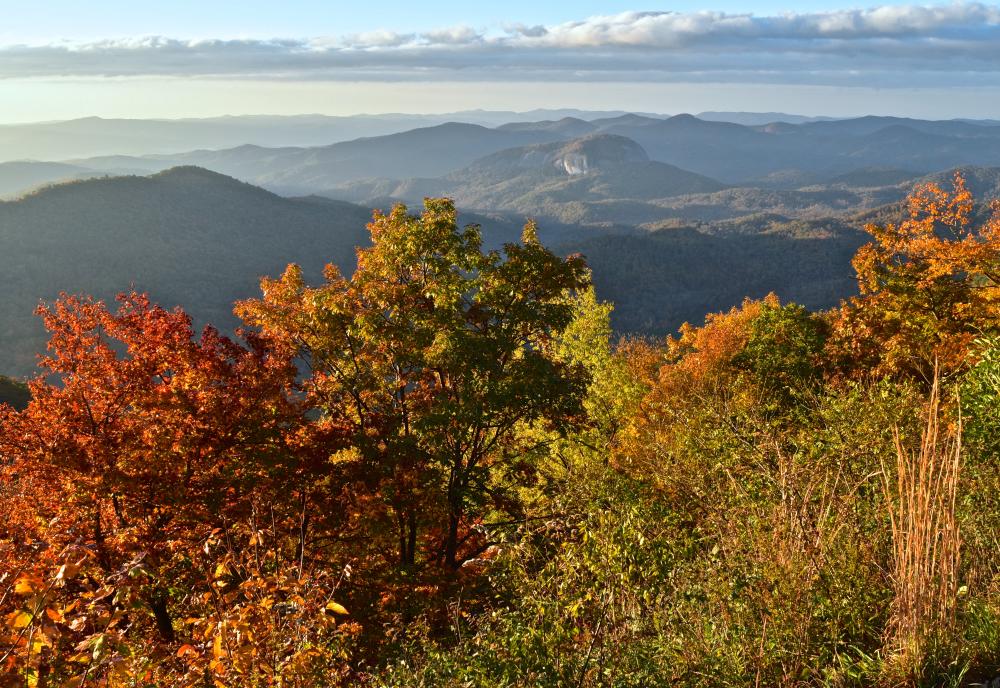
x=929, y=286
x=432, y=355
x=152, y=441
x=443, y=471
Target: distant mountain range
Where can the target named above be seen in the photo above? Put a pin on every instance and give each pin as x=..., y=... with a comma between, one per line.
x=778, y=154
x=97, y=136
x=678, y=216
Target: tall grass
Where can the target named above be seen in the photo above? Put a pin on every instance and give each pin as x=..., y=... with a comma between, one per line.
x=921, y=499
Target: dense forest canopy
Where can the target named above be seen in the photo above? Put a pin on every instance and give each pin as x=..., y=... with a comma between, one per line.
x=444, y=470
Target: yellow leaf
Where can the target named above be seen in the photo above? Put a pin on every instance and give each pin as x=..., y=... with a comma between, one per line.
x=27, y=585
x=38, y=641
x=54, y=615
x=19, y=619
x=336, y=608
x=99, y=648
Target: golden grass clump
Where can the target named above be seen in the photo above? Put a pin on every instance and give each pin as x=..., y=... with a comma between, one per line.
x=926, y=543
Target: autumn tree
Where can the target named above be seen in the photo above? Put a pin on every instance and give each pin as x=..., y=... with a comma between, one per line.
x=142, y=438
x=928, y=287
x=434, y=354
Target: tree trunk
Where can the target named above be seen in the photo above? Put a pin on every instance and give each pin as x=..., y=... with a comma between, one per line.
x=164, y=624
x=102, y=553
x=412, y=538
x=408, y=538
x=451, y=543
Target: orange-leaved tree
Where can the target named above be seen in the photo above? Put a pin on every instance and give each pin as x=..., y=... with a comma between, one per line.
x=929, y=286
x=435, y=353
x=141, y=443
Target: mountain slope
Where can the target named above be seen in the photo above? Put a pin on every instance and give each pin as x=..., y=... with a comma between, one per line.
x=425, y=152
x=188, y=236
x=21, y=176
x=659, y=280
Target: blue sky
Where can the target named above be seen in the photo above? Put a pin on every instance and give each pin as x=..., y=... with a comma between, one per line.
x=64, y=58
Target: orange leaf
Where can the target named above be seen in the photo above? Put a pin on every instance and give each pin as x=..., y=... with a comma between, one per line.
x=67, y=571
x=186, y=650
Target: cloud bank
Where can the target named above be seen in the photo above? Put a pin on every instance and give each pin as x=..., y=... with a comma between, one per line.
x=892, y=46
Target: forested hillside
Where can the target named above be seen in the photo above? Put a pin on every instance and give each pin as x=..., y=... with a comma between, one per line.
x=662, y=279
x=201, y=240
x=443, y=469
x=188, y=236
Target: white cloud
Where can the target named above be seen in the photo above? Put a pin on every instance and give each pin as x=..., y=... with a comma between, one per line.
x=882, y=46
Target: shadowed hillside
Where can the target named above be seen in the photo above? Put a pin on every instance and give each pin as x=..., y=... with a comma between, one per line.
x=188, y=236
x=659, y=280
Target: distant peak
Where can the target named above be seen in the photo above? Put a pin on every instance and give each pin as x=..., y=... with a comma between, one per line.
x=193, y=172
x=185, y=170
x=459, y=125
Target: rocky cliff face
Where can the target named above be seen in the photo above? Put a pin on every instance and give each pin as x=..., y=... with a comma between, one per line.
x=596, y=152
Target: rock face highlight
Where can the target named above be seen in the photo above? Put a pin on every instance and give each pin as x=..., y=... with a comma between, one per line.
x=596, y=152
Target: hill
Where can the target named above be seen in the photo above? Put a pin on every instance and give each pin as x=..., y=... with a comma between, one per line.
x=659, y=280
x=188, y=236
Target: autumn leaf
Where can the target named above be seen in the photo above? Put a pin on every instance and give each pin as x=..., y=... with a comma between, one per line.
x=187, y=650
x=67, y=571
x=28, y=585
x=19, y=619
x=336, y=608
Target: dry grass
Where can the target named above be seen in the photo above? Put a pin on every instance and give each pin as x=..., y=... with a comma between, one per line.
x=926, y=541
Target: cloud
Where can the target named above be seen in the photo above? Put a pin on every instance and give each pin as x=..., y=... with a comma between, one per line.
x=888, y=46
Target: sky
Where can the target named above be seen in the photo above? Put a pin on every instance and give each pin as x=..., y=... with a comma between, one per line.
x=61, y=59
